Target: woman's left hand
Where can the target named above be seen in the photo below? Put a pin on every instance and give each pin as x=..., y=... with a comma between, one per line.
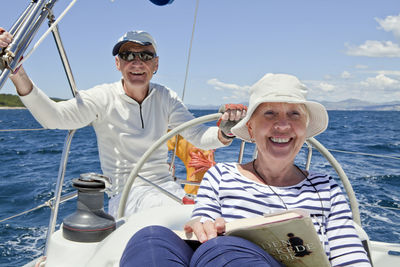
x=207, y=230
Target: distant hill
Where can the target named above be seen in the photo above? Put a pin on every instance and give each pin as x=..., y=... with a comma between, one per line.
x=355, y=104
x=9, y=100
x=349, y=104
x=203, y=107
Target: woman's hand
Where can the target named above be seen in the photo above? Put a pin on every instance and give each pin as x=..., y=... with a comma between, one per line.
x=207, y=230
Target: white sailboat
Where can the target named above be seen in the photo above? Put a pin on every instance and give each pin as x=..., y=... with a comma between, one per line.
x=64, y=252
x=61, y=251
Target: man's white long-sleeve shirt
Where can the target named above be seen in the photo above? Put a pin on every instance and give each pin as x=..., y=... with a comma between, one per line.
x=125, y=129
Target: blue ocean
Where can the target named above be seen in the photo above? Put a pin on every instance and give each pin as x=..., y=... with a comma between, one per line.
x=29, y=163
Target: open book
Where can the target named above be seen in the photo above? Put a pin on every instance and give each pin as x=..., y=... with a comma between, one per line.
x=288, y=236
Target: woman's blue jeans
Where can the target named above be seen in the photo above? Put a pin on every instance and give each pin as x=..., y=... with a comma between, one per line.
x=159, y=246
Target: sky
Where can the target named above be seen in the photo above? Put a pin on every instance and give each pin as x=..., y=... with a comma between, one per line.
x=339, y=49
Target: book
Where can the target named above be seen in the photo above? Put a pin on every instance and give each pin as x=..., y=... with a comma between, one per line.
x=288, y=236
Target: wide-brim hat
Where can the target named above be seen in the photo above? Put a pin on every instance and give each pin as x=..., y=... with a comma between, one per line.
x=282, y=88
x=139, y=37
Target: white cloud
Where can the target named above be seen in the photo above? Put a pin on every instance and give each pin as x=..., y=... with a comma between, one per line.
x=396, y=95
x=345, y=75
x=360, y=66
x=221, y=85
x=326, y=87
x=390, y=24
x=389, y=72
x=384, y=72
x=236, y=91
x=320, y=90
x=381, y=82
x=376, y=88
x=375, y=49
x=230, y=97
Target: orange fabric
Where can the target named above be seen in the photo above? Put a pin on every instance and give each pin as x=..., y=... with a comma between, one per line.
x=196, y=161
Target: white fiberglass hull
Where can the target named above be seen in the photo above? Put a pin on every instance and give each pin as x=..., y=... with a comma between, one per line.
x=66, y=253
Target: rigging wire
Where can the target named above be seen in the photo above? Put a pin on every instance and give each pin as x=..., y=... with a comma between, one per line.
x=361, y=153
x=365, y=154
x=378, y=206
x=184, y=84
x=25, y=212
x=17, y=130
x=64, y=198
x=331, y=150
x=190, y=49
x=48, y=203
x=46, y=33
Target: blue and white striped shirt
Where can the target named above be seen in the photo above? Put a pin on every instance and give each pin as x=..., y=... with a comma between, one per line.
x=226, y=193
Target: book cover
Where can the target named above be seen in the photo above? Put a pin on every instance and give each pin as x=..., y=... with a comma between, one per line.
x=288, y=236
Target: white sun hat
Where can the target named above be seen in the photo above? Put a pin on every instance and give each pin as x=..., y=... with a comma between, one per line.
x=282, y=88
x=139, y=37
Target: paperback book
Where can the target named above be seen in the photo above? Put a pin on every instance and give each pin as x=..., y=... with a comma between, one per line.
x=288, y=236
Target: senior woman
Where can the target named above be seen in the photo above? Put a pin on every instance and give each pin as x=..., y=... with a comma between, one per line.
x=278, y=121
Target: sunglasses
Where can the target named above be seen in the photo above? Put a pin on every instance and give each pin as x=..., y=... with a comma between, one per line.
x=143, y=55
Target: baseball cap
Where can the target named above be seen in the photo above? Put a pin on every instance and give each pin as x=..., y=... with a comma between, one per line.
x=139, y=37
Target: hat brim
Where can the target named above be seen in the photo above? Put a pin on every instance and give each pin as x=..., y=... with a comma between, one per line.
x=318, y=120
x=118, y=45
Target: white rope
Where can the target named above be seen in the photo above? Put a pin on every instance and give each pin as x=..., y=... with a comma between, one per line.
x=46, y=33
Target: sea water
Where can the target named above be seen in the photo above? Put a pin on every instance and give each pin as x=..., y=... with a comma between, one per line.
x=29, y=164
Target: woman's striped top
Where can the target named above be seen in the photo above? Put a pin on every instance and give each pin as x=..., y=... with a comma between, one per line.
x=225, y=192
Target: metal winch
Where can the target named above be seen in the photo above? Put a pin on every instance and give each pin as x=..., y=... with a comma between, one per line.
x=89, y=223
